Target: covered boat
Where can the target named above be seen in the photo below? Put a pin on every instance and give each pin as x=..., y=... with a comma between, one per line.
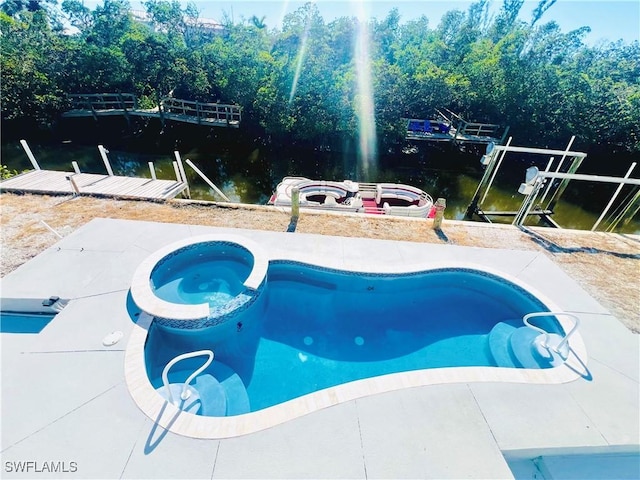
x=347, y=196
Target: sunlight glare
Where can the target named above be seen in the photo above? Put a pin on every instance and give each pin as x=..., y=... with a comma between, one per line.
x=301, y=54
x=367, y=153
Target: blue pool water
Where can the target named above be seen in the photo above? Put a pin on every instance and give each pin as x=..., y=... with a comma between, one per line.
x=318, y=328
x=202, y=275
x=11, y=322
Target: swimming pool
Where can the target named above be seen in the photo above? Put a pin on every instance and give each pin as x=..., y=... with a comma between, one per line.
x=317, y=331
x=322, y=328
x=20, y=322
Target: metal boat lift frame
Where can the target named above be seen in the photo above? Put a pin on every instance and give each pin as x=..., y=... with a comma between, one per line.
x=544, y=180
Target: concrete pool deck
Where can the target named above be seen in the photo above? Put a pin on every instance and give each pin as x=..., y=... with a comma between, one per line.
x=65, y=401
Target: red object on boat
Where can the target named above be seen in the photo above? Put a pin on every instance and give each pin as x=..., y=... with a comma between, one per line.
x=370, y=206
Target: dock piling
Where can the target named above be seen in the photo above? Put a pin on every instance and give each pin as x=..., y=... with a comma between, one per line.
x=74, y=185
x=152, y=170
x=295, y=204
x=182, y=172
x=29, y=153
x=177, y=171
x=103, y=153
x=209, y=182
x=440, y=205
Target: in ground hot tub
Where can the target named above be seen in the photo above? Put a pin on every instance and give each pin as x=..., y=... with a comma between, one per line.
x=200, y=281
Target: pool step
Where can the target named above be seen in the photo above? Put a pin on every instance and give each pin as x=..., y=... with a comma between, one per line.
x=212, y=396
x=222, y=392
x=521, y=343
x=511, y=347
x=499, y=345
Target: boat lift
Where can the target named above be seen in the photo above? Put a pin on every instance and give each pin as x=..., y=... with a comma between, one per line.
x=494, y=157
x=537, y=182
x=451, y=127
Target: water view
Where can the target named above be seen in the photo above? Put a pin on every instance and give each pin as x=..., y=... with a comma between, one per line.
x=248, y=172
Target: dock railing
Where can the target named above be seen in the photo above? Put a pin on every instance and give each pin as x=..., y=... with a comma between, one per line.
x=110, y=104
x=216, y=112
x=102, y=101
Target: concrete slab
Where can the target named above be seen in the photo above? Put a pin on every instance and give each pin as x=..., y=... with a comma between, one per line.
x=100, y=235
x=151, y=235
x=608, y=392
x=41, y=388
x=98, y=437
x=428, y=432
x=62, y=272
x=159, y=453
x=535, y=416
x=328, y=251
x=545, y=276
x=611, y=343
x=358, y=255
x=116, y=274
x=323, y=445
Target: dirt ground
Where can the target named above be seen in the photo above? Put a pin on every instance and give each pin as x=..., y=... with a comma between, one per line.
x=606, y=265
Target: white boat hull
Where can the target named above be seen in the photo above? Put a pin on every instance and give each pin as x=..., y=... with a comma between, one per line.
x=347, y=196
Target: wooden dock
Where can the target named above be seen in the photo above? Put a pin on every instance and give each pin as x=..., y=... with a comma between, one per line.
x=450, y=127
x=199, y=113
x=68, y=183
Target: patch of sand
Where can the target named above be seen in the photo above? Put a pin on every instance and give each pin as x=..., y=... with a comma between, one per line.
x=606, y=265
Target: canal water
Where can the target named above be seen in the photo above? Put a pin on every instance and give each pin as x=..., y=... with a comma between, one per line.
x=248, y=171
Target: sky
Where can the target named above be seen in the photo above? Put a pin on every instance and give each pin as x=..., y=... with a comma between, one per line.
x=609, y=19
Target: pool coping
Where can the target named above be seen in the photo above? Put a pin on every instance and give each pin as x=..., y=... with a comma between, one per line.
x=202, y=427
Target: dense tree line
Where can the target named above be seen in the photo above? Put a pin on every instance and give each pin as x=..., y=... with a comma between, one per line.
x=545, y=83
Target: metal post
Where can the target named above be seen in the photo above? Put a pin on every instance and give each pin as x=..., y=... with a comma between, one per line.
x=504, y=152
x=473, y=206
x=103, y=153
x=440, y=205
x=615, y=195
x=152, y=170
x=575, y=164
x=30, y=154
x=590, y=178
x=633, y=206
x=209, y=182
x=527, y=204
x=75, y=166
x=295, y=203
x=182, y=172
x=550, y=183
